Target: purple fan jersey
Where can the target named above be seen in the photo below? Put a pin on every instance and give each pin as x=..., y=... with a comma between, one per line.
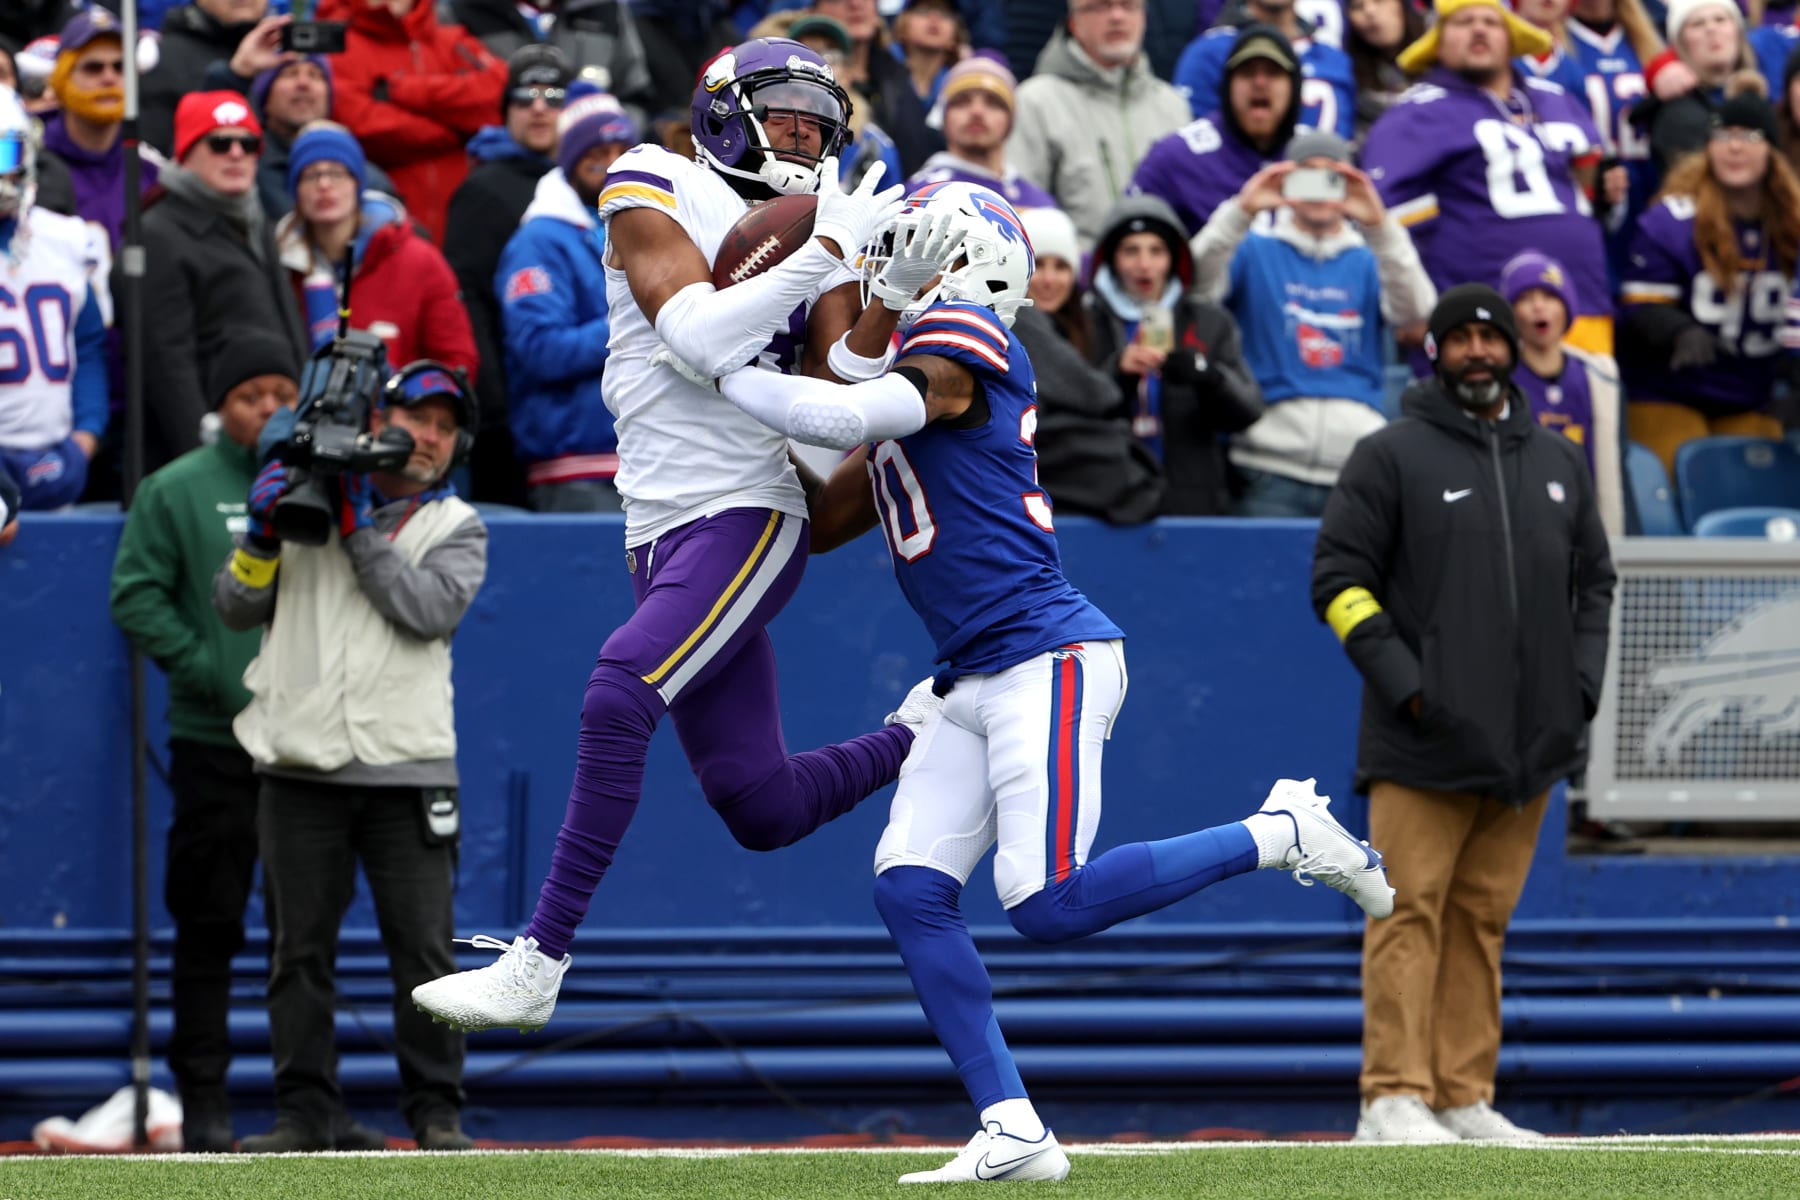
x=1562, y=405
x=966, y=521
x=1197, y=168
x=1746, y=314
x=945, y=167
x=1476, y=180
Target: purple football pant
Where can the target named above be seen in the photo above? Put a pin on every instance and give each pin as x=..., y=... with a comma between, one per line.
x=697, y=648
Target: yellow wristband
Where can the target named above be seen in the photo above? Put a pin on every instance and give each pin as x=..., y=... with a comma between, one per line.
x=252, y=571
x=1351, y=608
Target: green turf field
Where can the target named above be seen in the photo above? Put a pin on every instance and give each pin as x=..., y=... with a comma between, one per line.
x=1562, y=1171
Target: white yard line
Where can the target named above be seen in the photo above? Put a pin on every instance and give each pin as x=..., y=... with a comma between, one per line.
x=1663, y=1144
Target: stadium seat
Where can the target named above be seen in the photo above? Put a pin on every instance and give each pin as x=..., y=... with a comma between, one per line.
x=1773, y=524
x=1736, y=472
x=1657, y=513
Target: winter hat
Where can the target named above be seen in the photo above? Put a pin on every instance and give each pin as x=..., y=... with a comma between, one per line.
x=199, y=113
x=1052, y=234
x=590, y=118
x=1318, y=143
x=1527, y=39
x=247, y=353
x=326, y=141
x=535, y=64
x=1683, y=11
x=980, y=74
x=1747, y=110
x=265, y=80
x=1465, y=304
x=1258, y=41
x=1533, y=269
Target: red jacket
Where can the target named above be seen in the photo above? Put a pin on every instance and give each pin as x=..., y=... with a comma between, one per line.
x=413, y=91
x=404, y=292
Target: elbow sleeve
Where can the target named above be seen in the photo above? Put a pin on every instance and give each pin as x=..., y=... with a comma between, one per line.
x=717, y=330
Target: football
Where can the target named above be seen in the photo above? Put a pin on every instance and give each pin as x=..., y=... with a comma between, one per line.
x=762, y=237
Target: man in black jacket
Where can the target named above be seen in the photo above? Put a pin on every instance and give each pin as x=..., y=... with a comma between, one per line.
x=193, y=37
x=211, y=268
x=1462, y=562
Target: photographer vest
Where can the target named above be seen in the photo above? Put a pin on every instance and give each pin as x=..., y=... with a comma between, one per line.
x=335, y=681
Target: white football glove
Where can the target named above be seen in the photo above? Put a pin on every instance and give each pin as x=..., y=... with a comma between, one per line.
x=851, y=218
x=927, y=252
x=668, y=358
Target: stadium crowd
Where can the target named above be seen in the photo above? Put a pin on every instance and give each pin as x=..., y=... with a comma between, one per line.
x=1243, y=216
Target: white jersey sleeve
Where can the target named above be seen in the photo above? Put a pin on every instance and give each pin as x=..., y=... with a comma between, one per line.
x=684, y=451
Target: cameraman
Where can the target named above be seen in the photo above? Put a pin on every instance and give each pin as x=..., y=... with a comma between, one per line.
x=354, y=739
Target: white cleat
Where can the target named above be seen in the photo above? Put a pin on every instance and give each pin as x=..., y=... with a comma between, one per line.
x=920, y=705
x=994, y=1155
x=1401, y=1121
x=516, y=992
x=1478, y=1122
x=1324, y=850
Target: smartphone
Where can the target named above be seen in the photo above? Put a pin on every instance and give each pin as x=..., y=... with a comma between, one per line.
x=1313, y=183
x=1157, y=328
x=314, y=37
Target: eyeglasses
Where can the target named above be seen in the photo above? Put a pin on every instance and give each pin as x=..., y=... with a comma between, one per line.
x=318, y=175
x=221, y=143
x=1733, y=133
x=100, y=66
x=552, y=97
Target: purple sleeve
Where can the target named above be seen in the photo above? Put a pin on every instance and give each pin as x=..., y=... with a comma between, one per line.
x=1399, y=158
x=1657, y=270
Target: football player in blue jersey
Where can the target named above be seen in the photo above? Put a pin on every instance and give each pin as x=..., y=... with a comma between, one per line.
x=1031, y=672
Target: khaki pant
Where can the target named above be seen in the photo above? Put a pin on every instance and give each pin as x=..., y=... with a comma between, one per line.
x=1431, y=972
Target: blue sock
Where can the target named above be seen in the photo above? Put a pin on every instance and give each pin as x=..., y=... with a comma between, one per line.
x=1131, y=880
x=923, y=911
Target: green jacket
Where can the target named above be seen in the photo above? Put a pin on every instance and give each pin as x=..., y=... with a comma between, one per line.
x=179, y=531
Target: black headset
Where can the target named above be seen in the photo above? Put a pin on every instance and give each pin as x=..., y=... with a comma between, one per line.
x=426, y=377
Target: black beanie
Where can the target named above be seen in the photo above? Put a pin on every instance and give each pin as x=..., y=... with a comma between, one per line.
x=1465, y=304
x=535, y=64
x=245, y=354
x=1747, y=110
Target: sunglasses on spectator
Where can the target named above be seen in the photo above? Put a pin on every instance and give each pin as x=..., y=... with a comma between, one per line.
x=221, y=143
x=552, y=97
x=1733, y=133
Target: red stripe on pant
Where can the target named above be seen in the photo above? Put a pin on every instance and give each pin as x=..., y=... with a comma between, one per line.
x=1063, y=801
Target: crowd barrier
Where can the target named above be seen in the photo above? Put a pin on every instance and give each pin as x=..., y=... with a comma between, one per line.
x=760, y=991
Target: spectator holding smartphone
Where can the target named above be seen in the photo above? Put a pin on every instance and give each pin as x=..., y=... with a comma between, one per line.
x=1316, y=271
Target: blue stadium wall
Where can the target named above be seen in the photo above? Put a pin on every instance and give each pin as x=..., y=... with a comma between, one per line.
x=723, y=992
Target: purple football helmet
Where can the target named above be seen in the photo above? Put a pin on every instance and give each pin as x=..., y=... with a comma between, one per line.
x=739, y=92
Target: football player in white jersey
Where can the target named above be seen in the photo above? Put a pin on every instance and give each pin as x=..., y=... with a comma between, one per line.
x=53, y=391
x=715, y=514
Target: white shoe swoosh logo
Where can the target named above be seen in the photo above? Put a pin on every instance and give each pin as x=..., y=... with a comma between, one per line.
x=986, y=1169
x=1451, y=497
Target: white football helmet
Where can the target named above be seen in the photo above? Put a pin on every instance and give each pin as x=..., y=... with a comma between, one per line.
x=997, y=260
x=18, y=155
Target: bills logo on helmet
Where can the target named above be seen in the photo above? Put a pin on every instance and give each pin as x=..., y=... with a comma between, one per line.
x=1001, y=216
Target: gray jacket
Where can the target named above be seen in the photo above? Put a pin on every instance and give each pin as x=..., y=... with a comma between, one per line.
x=426, y=601
x=1080, y=129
